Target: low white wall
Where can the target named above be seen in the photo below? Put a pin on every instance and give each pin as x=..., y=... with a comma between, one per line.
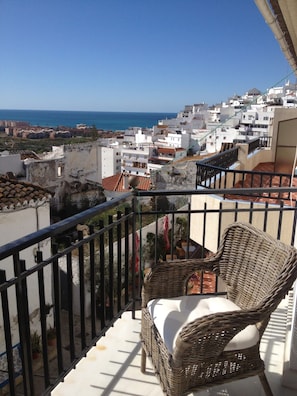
x=211, y=226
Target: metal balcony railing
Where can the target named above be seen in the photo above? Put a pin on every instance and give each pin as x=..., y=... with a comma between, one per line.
x=215, y=177
x=212, y=168
x=81, y=274
x=215, y=173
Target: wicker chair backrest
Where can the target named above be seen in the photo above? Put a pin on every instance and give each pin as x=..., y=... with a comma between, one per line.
x=257, y=269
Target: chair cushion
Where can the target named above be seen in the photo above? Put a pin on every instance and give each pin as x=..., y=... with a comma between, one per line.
x=171, y=315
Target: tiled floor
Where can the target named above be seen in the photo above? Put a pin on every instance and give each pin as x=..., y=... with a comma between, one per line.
x=276, y=181
x=113, y=366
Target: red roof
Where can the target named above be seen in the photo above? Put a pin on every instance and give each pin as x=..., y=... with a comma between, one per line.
x=14, y=192
x=166, y=150
x=110, y=183
x=171, y=150
x=117, y=183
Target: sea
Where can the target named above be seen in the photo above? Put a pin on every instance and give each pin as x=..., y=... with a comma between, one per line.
x=105, y=120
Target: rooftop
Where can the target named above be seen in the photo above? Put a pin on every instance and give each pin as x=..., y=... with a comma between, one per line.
x=170, y=150
x=116, y=183
x=14, y=193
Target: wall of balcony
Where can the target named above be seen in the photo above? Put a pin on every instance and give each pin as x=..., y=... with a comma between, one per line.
x=246, y=162
x=209, y=233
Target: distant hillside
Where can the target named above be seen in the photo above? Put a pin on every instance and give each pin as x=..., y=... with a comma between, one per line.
x=38, y=145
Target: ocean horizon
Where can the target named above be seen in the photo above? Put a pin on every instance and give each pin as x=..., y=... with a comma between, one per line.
x=106, y=120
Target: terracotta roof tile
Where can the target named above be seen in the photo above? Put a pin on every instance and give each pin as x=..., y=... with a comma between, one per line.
x=14, y=193
x=116, y=183
x=166, y=150
x=29, y=154
x=110, y=183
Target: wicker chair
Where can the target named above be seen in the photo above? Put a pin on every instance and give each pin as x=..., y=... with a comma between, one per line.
x=197, y=341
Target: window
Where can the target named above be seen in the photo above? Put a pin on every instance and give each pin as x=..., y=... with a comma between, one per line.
x=59, y=171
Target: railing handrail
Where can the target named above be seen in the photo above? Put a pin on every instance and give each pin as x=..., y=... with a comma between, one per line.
x=232, y=154
x=216, y=191
x=207, y=177
x=63, y=225
x=246, y=172
x=219, y=158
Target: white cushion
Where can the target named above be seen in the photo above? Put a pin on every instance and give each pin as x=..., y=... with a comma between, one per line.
x=171, y=315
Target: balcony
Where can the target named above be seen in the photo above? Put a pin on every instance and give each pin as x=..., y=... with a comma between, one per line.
x=87, y=286
x=112, y=367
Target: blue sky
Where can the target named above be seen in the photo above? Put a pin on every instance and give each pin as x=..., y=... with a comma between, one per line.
x=133, y=55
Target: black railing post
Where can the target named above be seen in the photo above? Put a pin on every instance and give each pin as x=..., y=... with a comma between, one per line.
x=134, y=206
x=70, y=301
x=126, y=270
x=265, y=217
x=188, y=228
x=43, y=314
x=119, y=262
x=110, y=270
x=57, y=306
x=251, y=212
x=92, y=282
x=102, y=277
x=7, y=332
x=204, y=229
x=280, y=220
x=219, y=224
x=82, y=301
x=24, y=326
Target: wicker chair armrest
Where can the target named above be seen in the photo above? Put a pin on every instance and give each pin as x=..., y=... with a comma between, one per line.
x=207, y=337
x=168, y=279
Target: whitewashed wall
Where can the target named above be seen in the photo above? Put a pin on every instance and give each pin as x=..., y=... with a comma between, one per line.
x=13, y=225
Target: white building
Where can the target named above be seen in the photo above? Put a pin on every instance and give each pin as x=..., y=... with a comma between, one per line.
x=174, y=138
x=135, y=160
x=11, y=163
x=256, y=122
x=138, y=136
x=109, y=161
x=192, y=116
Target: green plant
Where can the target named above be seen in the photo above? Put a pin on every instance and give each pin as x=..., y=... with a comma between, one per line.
x=154, y=247
x=51, y=336
x=51, y=333
x=182, y=229
x=35, y=342
x=160, y=203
